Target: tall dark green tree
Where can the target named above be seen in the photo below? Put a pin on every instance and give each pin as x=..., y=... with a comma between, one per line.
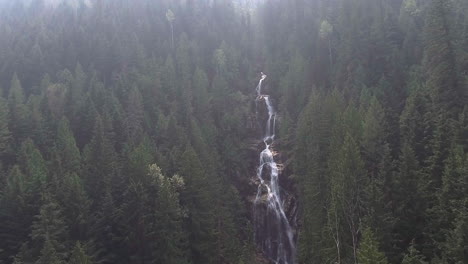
x=5, y=134
x=79, y=256
x=439, y=60
x=49, y=232
x=100, y=161
x=413, y=256
x=67, y=151
x=369, y=249
x=170, y=241
x=198, y=199
x=18, y=111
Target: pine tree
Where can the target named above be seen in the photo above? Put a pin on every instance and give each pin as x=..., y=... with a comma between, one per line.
x=410, y=206
x=21, y=198
x=201, y=97
x=345, y=170
x=439, y=61
x=134, y=117
x=40, y=122
x=310, y=166
x=109, y=231
x=416, y=125
x=136, y=211
x=294, y=86
x=5, y=134
x=49, y=254
x=76, y=206
x=379, y=166
x=76, y=94
x=139, y=158
x=18, y=111
x=50, y=232
x=16, y=215
x=169, y=238
x=198, y=199
x=34, y=166
x=78, y=255
x=84, y=121
x=68, y=153
x=450, y=196
x=368, y=252
x=413, y=256
x=100, y=161
x=455, y=249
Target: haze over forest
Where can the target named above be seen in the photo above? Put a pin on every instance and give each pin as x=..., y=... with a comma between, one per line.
x=234, y=132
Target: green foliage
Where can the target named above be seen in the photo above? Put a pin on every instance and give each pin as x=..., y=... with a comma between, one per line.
x=50, y=232
x=48, y=254
x=439, y=61
x=413, y=256
x=5, y=134
x=100, y=160
x=368, y=252
x=198, y=194
x=76, y=206
x=134, y=118
x=372, y=129
x=325, y=29
x=18, y=111
x=67, y=151
x=455, y=247
x=33, y=164
x=169, y=245
x=79, y=256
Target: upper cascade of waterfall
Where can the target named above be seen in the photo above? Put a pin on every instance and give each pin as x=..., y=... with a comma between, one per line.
x=277, y=238
x=259, y=86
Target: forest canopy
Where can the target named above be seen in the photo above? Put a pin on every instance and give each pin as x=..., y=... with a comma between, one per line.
x=130, y=130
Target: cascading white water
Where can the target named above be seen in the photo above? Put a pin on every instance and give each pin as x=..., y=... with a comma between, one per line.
x=273, y=232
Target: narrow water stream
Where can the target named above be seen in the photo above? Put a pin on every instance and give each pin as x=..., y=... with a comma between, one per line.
x=273, y=232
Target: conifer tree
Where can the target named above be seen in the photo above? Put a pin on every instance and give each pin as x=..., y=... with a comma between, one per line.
x=49, y=231
x=413, y=256
x=5, y=134
x=34, y=166
x=198, y=199
x=134, y=116
x=439, y=61
x=16, y=215
x=78, y=255
x=379, y=166
x=18, y=111
x=201, y=98
x=454, y=250
x=169, y=242
x=346, y=196
x=76, y=94
x=76, y=206
x=410, y=206
x=368, y=252
x=109, y=231
x=49, y=254
x=40, y=121
x=101, y=161
x=310, y=166
x=68, y=153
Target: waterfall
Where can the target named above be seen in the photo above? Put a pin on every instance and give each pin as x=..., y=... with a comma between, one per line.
x=273, y=232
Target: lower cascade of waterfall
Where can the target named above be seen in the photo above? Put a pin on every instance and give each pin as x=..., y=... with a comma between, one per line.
x=273, y=232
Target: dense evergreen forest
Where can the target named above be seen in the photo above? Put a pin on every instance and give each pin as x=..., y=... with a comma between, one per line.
x=129, y=131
